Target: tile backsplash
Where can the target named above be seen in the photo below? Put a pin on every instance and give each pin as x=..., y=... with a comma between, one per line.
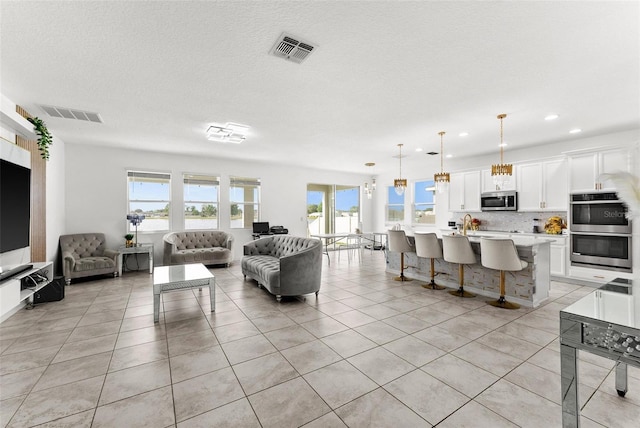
x=508, y=221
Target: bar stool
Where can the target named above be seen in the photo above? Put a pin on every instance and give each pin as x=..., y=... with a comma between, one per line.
x=501, y=254
x=399, y=243
x=457, y=249
x=427, y=246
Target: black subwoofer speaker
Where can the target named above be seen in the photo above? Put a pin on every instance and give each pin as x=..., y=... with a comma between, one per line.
x=52, y=292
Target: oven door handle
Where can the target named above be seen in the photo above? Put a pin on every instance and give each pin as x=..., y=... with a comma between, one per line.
x=622, y=235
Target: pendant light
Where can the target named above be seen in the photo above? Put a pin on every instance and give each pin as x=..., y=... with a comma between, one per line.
x=501, y=172
x=400, y=183
x=368, y=189
x=442, y=178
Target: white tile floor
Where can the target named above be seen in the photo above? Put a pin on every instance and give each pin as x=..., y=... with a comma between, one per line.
x=368, y=352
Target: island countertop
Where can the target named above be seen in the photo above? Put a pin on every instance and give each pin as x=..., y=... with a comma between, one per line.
x=528, y=287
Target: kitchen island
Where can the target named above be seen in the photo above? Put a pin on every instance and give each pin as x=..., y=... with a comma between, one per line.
x=528, y=287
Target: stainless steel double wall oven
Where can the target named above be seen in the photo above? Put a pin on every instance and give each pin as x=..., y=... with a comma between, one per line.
x=600, y=232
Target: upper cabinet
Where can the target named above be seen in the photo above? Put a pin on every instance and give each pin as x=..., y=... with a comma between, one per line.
x=489, y=186
x=585, y=169
x=542, y=186
x=464, y=191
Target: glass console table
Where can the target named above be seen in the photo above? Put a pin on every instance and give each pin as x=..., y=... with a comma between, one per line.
x=605, y=323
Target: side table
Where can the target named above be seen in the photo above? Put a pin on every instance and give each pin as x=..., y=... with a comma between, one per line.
x=140, y=249
x=605, y=322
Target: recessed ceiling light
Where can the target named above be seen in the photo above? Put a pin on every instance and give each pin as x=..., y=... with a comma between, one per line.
x=575, y=131
x=502, y=145
x=448, y=156
x=418, y=149
x=463, y=134
x=551, y=117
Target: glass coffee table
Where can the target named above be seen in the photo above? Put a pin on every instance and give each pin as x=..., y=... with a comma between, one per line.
x=180, y=277
x=605, y=322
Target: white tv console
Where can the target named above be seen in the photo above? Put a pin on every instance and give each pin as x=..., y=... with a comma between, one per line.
x=12, y=298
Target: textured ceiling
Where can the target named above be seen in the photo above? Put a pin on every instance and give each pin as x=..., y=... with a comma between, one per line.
x=383, y=73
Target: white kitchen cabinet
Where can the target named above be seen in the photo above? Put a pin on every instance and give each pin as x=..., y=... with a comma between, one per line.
x=559, y=254
x=464, y=191
x=489, y=186
x=585, y=169
x=542, y=186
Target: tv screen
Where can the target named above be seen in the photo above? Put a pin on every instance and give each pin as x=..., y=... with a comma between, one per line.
x=15, y=206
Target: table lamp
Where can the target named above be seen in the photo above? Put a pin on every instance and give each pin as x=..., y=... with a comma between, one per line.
x=135, y=220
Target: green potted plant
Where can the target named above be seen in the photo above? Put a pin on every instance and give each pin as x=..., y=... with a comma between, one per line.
x=129, y=240
x=44, y=137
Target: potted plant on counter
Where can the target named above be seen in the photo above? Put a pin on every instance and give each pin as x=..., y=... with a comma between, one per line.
x=129, y=240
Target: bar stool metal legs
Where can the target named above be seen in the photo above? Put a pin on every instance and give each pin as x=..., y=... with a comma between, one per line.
x=432, y=285
x=402, y=277
x=460, y=291
x=501, y=302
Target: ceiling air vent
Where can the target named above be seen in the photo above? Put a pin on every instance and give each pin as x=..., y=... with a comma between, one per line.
x=291, y=48
x=68, y=113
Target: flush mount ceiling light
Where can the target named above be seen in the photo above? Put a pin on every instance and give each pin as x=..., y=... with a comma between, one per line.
x=442, y=178
x=501, y=172
x=368, y=190
x=400, y=184
x=228, y=133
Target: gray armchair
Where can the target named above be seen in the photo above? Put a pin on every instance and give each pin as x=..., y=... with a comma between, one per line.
x=85, y=254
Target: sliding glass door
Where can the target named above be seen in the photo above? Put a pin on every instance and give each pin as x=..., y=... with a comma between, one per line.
x=332, y=208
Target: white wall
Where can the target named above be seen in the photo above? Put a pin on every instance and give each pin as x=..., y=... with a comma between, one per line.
x=96, y=191
x=419, y=168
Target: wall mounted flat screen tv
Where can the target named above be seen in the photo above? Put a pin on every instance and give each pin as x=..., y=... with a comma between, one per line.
x=15, y=206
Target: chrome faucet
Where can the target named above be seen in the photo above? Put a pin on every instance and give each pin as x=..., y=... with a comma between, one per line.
x=466, y=225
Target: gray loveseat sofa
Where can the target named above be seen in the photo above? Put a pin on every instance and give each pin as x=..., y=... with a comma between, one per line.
x=86, y=254
x=284, y=265
x=209, y=247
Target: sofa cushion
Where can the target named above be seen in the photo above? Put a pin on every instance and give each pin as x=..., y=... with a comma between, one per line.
x=93, y=263
x=199, y=255
x=266, y=267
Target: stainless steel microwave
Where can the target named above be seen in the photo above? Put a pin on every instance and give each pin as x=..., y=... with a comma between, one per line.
x=499, y=201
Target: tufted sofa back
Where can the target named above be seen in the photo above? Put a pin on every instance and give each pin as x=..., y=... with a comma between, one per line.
x=83, y=245
x=281, y=245
x=199, y=239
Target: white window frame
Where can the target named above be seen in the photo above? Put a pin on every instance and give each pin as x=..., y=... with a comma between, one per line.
x=389, y=205
x=203, y=179
x=132, y=174
x=415, y=205
x=234, y=182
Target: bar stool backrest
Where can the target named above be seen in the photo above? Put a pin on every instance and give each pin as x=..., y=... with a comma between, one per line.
x=427, y=246
x=457, y=249
x=399, y=243
x=500, y=254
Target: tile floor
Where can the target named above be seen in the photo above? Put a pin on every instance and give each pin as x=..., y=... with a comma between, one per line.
x=368, y=352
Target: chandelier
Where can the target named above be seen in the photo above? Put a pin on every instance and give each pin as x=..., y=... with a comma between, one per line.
x=400, y=183
x=369, y=189
x=442, y=178
x=501, y=172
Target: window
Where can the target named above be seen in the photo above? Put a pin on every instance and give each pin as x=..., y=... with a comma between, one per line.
x=149, y=194
x=200, y=201
x=332, y=208
x=244, y=196
x=424, y=202
x=395, y=206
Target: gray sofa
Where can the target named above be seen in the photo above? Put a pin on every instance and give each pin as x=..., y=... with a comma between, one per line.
x=209, y=247
x=86, y=254
x=284, y=265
